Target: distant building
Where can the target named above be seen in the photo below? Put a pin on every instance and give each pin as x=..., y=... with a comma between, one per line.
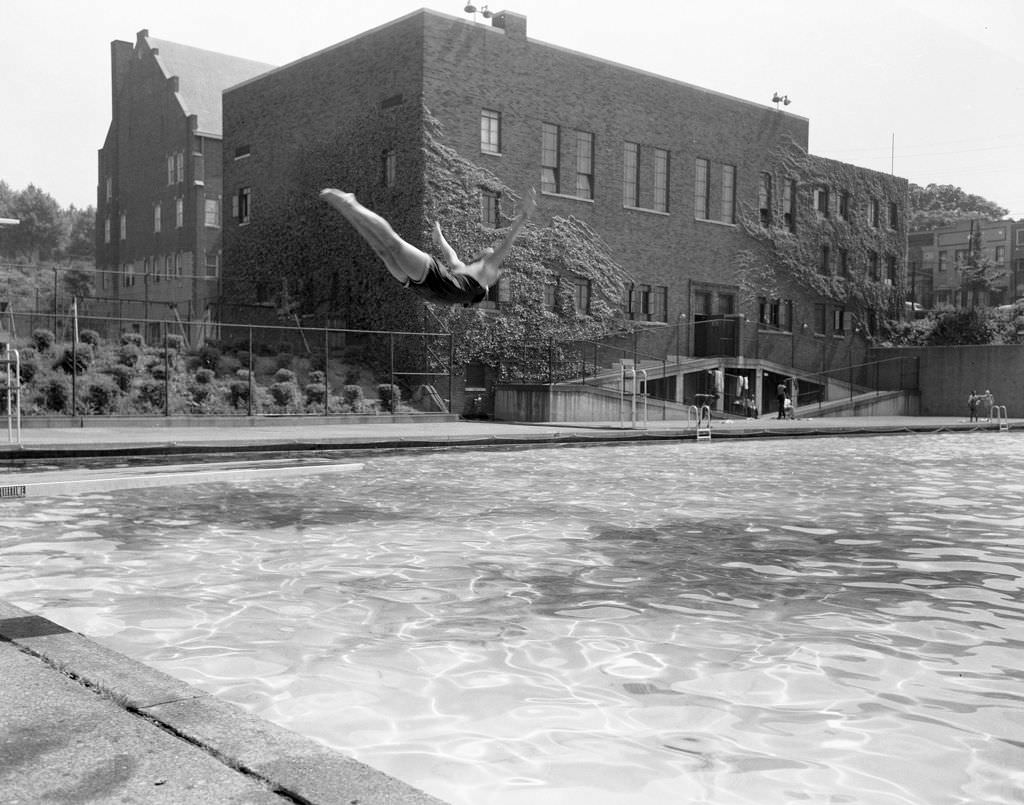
x=937, y=259
x=680, y=181
x=159, y=195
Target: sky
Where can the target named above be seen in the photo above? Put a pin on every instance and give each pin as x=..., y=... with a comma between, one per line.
x=931, y=90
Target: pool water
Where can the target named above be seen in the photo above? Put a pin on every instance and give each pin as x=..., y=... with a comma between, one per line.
x=833, y=620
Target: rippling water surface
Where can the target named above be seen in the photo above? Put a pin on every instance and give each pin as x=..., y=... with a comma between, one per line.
x=831, y=620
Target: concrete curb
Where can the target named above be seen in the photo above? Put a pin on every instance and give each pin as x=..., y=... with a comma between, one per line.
x=283, y=762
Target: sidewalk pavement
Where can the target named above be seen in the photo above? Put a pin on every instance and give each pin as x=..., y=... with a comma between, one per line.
x=80, y=723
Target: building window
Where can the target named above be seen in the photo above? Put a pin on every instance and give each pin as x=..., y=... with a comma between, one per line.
x=212, y=264
x=789, y=204
x=661, y=174
x=821, y=201
x=844, y=206
x=179, y=212
x=490, y=208
x=388, y=163
x=168, y=263
x=490, y=131
x=873, y=212
x=241, y=205
x=630, y=175
x=211, y=212
x=890, y=269
x=659, y=303
x=838, y=321
x=729, y=194
x=844, y=262
x=124, y=226
x=819, y=319
x=873, y=265
x=129, y=274
x=726, y=304
x=584, y=164
x=179, y=166
x=581, y=296
x=1020, y=237
x=825, y=266
x=1000, y=255
x=177, y=264
x=106, y=230
x=156, y=217
x=768, y=313
x=943, y=260
x=242, y=151
x=960, y=256
x=701, y=190
x=894, y=215
x=110, y=188
x=170, y=169
x=550, y=293
x=549, y=170
x=764, y=199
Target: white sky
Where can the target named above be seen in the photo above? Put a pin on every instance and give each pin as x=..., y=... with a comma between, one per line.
x=943, y=80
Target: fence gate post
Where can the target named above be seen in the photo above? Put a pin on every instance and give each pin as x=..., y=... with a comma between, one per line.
x=250, y=372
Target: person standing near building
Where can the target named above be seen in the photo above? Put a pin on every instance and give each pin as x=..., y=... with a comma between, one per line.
x=780, y=394
x=973, y=400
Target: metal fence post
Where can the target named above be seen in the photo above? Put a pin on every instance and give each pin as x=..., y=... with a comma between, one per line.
x=167, y=375
x=250, y=372
x=327, y=364
x=451, y=372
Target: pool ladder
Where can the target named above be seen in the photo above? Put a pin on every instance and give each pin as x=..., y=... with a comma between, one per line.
x=700, y=418
x=997, y=413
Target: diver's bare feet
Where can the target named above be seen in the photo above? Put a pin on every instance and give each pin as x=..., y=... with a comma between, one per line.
x=338, y=199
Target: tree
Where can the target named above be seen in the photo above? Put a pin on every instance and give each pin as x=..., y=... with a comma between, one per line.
x=81, y=226
x=978, y=274
x=42, y=229
x=940, y=205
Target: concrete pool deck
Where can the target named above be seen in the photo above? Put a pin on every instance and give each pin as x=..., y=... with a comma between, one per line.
x=81, y=723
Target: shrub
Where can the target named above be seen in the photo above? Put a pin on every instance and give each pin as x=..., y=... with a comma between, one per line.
x=75, y=361
x=132, y=339
x=353, y=397
x=315, y=394
x=122, y=376
x=283, y=394
x=284, y=376
x=43, y=339
x=239, y=389
x=90, y=337
x=317, y=377
x=29, y=365
x=54, y=394
x=174, y=341
x=152, y=393
x=209, y=356
x=204, y=376
x=129, y=354
x=101, y=394
x=390, y=395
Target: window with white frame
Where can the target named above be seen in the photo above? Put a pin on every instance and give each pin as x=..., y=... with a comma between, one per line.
x=179, y=212
x=764, y=199
x=838, y=321
x=549, y=158
x=661, y=174
x=211, y=212
x=584, y=164
x=106, y=230
x=581, y=296
x=179, y=167
x=701, y=189
x=728, y=194
x=490, y=208
x=630, y=174
x=170, y=169
x=156, y=217
x=124, y=226
x=490, y=131
x=212, y=264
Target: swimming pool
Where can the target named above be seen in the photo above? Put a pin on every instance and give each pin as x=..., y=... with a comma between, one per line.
x=803, y=620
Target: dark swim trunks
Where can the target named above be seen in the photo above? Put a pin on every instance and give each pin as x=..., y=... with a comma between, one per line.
x=446, y=288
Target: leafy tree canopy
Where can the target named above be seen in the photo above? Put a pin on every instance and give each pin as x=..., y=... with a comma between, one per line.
x=943, y=204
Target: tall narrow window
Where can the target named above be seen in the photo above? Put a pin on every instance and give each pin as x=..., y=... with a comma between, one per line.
x=890, y=269
x=825, y=267
x=729, y=194
x=156, y=217
x=659, y=303
x=170, y=169
x=873, y=265
x=110, y=188
x=581, y=296
x=943, y=260
x=789, y=204
x=630, y=175
x=764, y=199
x=844, y=206
x=821, y=201
x=873, y=212
x=661, y=166
x=701, y=190
x=179, y=167
x=490, y=208
x=490, y=131
x=212, y=264
x=124, y=226
x=549, y=164
x=211, y=212
x=844, y=262
x=106, y=230
x=894, y=215
x=584, y=164
x=179, y=212
x=838, y=321
x=241, y=205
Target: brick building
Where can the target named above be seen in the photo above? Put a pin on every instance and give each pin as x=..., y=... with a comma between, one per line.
x=684, y=184
x=158, y=207
x=938, y=258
